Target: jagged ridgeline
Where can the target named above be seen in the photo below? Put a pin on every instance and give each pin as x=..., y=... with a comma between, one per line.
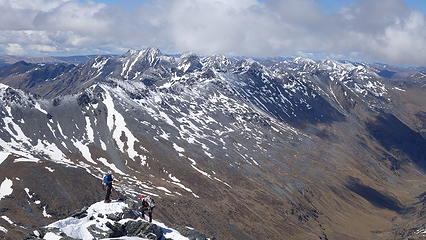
x=236, y=148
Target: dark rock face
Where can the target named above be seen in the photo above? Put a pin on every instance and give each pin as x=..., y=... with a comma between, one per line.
x=396, y=136
x=386, y=73
x=29, y=76
x=117, y=229
x=19, y=67
x=421, y=117
x=143, y=229
x=83, y=100
x=115, y=216
x=375, y=197
x=129, y=213
x=131, y=228
x=135, y=229
x=80, y=214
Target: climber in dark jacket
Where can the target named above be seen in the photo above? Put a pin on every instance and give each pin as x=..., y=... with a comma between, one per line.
x=107, y=182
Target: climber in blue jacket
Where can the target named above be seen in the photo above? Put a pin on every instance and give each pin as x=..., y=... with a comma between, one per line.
x=107, y=182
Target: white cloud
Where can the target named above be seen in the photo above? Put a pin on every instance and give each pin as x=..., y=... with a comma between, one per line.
x=404, y=41
x=82, y=18
x=14, y=49
x=43, y=48
x=385, y=30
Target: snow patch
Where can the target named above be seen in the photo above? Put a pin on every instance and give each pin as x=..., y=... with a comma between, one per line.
x=3, y=156
x=27, y=190
x=164, y=189
x=177, y=148
x=6, y=188
x=186, y=189
x=51, y=150
x=7, y=219
x=99, y=64
x=45, y=213
x=51, y=129
x=103, y=146
x=38, y=107
x=167, y=119
x=133, y=63
x=17, y=132
x=117, y=125
x=84, y=151
x=110, y=165
x=421, y=232
x=174, y=179
x=399, y=89
x=60, y=131
x=89, y=130
x=25, y=159
x=51, y=236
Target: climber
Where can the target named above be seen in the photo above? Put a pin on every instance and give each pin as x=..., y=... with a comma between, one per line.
x=148, y=205
x=107, y=182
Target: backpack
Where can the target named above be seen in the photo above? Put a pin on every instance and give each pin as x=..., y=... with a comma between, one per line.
x=107, y=179
x=149, y=201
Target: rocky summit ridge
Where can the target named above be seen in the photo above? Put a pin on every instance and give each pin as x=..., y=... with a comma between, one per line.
x=237, y=148
x=118, y=220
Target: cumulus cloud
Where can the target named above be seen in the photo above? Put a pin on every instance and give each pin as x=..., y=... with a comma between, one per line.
x=14, y=49
x=373, y=30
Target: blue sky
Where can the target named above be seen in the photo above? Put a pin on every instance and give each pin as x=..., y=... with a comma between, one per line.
x=334, y=5
x=418, y=4
x=122, y=3
x=329, y=6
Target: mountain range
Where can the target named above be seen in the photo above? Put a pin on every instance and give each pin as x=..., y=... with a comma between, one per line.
x=10, y=59
x=234, y=147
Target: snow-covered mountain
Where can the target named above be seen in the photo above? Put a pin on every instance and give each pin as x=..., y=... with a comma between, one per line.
x=237, y=148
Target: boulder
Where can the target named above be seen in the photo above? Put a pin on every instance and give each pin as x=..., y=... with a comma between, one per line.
x=98, y=233
x=36, y=234
x=129, y=213
x=117, y=230
x=115, y=216
x=143, y=229
x=80, y=214
x=40, y=233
